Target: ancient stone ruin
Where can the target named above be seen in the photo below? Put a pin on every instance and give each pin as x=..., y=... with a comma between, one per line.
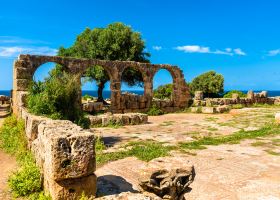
x=65, y=152
x=26, y=65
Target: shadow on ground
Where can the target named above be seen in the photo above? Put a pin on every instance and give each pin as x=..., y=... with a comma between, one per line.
x=111, y=185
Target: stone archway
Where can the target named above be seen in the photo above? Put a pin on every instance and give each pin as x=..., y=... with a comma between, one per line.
x=26, y=65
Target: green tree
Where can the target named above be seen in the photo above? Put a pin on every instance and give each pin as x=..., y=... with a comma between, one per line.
x=164, y=91
x=211, y=83
x=115, y=42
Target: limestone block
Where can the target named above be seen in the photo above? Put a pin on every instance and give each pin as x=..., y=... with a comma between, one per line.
x=198, y=95
x=196, y=109
x=22, y=73
x=21, y=97
x=125, y=119
x=31, y=125
x=21, y=84
x=97, y=106
x=250, y=94
x=67, y=150
x=222, y=109
x=208, y=110
x=143, y=118
x=72, y=189
x=95, y=120
x=264, y=94
x=134, y=119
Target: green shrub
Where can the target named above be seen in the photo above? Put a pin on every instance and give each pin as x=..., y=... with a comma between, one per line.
x=56, y=98
x=27, y=179
x=237, y=106
x=39, y=196
x=164, y=91
x=155, y=111
x=229, y=94
x=85, y=97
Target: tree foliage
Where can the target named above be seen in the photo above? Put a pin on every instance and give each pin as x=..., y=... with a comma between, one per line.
x=164, y=91
x=211, y=83
x=229, y=94
x=115, y=42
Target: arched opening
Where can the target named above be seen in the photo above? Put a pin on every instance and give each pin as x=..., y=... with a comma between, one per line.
x=96, y=92
x=44, y=71
x=132, y=90
x=163, y=85
x=132, y=81
x=55, y=93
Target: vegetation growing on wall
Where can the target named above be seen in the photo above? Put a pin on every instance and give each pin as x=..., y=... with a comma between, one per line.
x=229, y=94
x=57, y=98
x=164, y=91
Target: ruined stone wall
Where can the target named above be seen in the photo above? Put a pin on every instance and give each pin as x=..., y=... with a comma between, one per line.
x=64, y=152
x=26, y=65
x=251, y=98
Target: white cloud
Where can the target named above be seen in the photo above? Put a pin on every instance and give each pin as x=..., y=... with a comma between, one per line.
x=19, y=41
x=16, y=50
x=203, y=49
x=193, y=49
x=157, y=48
x=238, y=51
x=274, y=52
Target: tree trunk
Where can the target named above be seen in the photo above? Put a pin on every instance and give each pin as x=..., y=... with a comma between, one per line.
x=100, y=98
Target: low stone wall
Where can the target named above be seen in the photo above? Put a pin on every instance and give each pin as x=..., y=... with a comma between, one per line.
x=251, y=98
x=211, y=110
x=123, y=119
x=4, y=99
x=91, y=106
x=65, y=154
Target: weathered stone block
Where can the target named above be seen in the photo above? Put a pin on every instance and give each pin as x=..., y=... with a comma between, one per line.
x=67, y=150
x=208, y=110
x=21, y=84
x=72, y=189
x=198, y=95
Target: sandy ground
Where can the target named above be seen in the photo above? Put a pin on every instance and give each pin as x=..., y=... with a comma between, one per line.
x=239, y=171
x=7, y=165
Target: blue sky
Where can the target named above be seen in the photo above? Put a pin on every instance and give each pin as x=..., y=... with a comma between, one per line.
x=237, y=38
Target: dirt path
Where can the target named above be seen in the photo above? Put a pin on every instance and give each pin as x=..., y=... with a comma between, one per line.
x=7, y=165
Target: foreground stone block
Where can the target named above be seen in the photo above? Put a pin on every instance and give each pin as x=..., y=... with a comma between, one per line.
x=66, y=155
x=168, y=184
x=198, y=95
x=72, y=189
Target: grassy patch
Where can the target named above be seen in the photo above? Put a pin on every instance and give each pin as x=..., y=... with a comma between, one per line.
x=258, y=143
x=155, y=111
x=27, y=180
x=211, y=119
x=144, y=150
x=237, y=106
x=232, y=139
x=271, y=152
x=167, y=123
x=212, y=129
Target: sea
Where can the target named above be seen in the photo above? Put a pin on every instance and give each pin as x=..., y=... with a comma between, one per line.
x=107, y=93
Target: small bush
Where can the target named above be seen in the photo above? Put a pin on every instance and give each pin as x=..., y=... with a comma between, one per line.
x=164, y=91
x=39, y=196
x=155, y=111
x=57, y=98
x=229, y=94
